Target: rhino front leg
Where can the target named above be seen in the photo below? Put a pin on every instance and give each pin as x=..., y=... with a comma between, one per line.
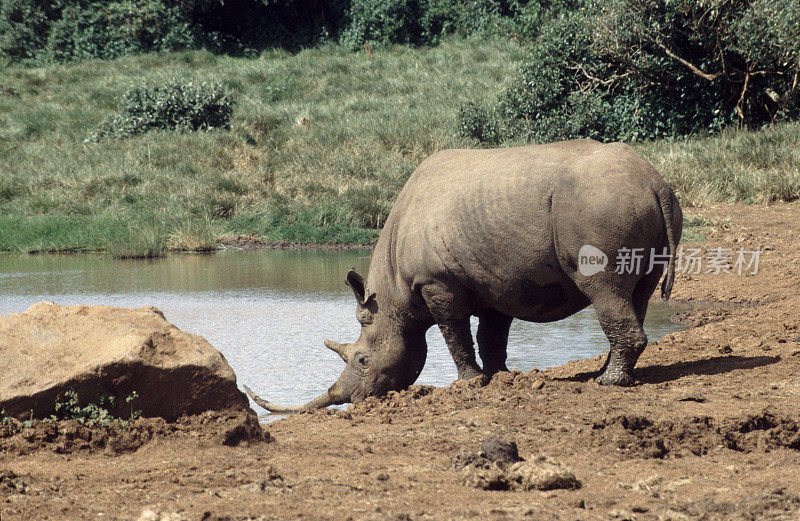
x=451, y=314
x=626, y=336
x=493, y=341
x=458, y=337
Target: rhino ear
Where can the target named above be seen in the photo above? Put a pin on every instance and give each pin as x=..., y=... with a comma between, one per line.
x=356, y=283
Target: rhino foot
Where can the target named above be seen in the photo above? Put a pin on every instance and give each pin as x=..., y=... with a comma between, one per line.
x=618, y=378
x=468, y=373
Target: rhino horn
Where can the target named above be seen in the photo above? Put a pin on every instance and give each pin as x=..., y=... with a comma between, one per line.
x=325, y=399
x=339, y=349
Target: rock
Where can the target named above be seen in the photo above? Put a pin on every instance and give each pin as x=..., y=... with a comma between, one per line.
x=497, y=466
x=541, y=473
x=499, y=450
x=96, y=350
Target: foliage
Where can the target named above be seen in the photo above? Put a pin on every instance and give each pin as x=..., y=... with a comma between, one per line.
x=643, y=69
x=68, y=408
x=38, y=32
x=476, y=122
x=5, y=420
x=180, y=105
x=320, y=143
x=426, y=21
x=35, y=31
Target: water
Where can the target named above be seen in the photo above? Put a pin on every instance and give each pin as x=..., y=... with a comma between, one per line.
x=269, y=311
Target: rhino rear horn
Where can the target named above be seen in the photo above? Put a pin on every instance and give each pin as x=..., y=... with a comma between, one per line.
x=339, y=349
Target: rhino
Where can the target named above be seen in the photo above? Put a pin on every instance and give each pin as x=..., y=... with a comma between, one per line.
x=500, y=234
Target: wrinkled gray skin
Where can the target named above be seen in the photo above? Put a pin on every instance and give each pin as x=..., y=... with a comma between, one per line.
x=496, y=234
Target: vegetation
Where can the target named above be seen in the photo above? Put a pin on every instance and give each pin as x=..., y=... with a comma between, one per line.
x=320, y=139
x=37, y=32
x=648, y=69
x=426, y=21
x=320, y=143
x=760, y=166
x=68, y=407
x=179, y=105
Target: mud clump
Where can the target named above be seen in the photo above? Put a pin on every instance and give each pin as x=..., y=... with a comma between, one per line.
x=498, y=466
x=230, y=428
x=638, y=436
x=12, y=483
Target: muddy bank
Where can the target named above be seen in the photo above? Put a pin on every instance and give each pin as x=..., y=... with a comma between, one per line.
x=255, y=242
x=710, y=431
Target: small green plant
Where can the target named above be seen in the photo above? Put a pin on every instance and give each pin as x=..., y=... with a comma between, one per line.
x=135, y=415
x=5, y=420
x=68, y=408
x=180, y=105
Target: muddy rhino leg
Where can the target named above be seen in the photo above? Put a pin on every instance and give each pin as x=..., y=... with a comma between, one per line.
x=621, y=325
x=458, y=337
x=493, y=341
x=452, y=318
x=641, y=297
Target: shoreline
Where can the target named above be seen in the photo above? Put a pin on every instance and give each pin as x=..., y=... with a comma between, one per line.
x=710, y=430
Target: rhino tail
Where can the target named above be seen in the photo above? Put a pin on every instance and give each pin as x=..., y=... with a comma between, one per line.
x=673, y=222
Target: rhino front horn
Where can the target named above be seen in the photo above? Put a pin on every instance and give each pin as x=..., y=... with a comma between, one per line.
x=339, y=349
x=327, y=398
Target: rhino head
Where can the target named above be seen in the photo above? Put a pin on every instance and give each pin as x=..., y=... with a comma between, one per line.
x=388, y=355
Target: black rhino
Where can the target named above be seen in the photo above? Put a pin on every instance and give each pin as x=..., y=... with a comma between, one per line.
x=497, y=234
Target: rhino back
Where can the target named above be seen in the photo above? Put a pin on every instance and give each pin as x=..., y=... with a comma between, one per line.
x=495, y=221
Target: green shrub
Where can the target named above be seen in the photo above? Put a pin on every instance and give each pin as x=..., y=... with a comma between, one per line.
x=38, y=32
x=24, y=26
x=640, y=69
x=475, y=121
x=180, y=105
x=425, y=21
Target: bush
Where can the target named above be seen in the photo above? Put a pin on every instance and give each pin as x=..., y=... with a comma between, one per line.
x=636, y=69
x=180, y=105
x=475, y=121
x=426, y=21
x=34, y=31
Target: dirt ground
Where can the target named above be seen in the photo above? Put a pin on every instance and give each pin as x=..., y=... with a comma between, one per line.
x=710, y=431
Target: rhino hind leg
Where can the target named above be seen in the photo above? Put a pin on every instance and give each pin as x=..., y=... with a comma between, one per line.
x=625, y=333
x=641, y=296
x=493, y=341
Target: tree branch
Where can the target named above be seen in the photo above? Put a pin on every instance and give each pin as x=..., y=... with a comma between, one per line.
x=690, y=66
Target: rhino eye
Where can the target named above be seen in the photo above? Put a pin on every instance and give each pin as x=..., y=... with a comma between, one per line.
x=361, y=360
x=364, y=316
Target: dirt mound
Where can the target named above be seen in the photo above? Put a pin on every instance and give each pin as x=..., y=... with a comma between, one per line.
x=119, y=437
x=638, y=436
x=497, y=466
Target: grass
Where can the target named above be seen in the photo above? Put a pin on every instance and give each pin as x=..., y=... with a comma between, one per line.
x=735, y=166
x=320, y=144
